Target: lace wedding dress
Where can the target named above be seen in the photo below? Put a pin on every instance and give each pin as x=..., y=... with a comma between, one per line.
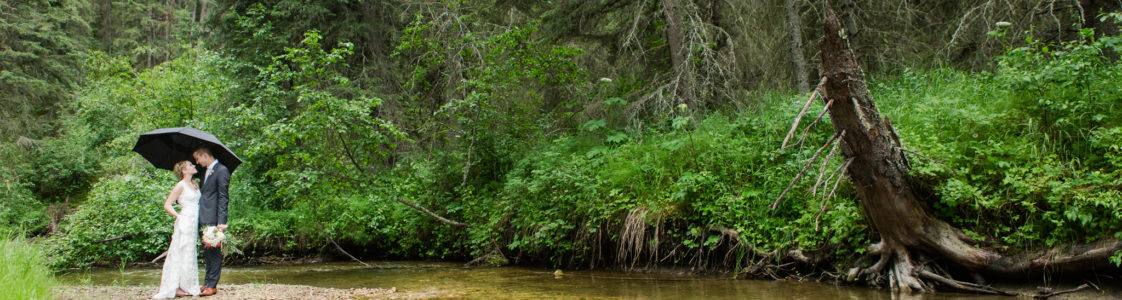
x=181, y=266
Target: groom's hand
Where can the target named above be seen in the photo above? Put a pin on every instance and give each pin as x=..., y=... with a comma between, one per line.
x=222, y=227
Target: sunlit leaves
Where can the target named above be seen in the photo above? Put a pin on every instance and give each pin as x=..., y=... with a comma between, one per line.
x=327, y=136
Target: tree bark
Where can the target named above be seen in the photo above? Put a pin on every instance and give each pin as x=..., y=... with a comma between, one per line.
x=715, y=21
x=890, y=204
x=679, y=63
x=105, y=32
x=794, y=29
x=198, y=11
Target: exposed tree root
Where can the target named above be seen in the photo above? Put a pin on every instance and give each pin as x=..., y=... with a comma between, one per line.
x=1067, y=259
x=1048, y=294
x=964, y=286
x=632, y=237
x=896, y=266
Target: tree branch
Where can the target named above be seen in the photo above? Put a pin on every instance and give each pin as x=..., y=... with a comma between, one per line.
x=965, y=286
x=159, y=257
x=1057, y=293
x=430, y=213
x=806, y=130
x=337, y=247
x=350, y=155
x=836, y=137
x=795, y=125
x=114, y=238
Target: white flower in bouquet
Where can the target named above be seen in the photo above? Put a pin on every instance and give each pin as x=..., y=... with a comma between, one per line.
x=212, y=237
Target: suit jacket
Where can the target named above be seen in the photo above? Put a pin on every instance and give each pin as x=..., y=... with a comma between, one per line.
x=215, y=196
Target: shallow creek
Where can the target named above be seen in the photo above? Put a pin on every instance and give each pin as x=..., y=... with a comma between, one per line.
x=456, y=281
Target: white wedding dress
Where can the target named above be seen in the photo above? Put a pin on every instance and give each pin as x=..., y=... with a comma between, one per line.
x=181, y=266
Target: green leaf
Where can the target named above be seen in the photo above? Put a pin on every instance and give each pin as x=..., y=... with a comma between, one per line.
x=681, y=122
x=618, y=137
x=593, y=125
x=614, y=101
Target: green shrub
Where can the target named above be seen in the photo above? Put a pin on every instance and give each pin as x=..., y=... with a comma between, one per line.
x=126, y=207
x=682, y=181
x=18, y=207
x=1026, y=157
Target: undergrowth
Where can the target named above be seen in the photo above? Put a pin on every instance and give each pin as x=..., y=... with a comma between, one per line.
x=1024, y=157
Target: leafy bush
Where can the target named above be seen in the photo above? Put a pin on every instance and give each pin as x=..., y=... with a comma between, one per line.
x=1026, y=157
x=1069, y=90
x=19, y=209
x=61, y=167
x=123, y=220
x=681, y=181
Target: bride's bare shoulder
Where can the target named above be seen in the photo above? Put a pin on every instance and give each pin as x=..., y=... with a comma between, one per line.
x=190, y=185
x=180, y=186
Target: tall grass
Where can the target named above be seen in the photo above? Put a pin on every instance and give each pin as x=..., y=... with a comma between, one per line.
x=23, y=274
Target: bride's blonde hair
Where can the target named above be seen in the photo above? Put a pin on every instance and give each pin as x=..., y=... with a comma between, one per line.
x=179, y=168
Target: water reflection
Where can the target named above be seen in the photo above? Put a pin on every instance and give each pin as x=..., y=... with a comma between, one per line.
x=511, y=282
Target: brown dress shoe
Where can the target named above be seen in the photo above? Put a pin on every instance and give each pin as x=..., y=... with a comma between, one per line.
x=208, y=291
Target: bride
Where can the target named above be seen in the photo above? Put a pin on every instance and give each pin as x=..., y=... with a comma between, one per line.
x=181, y=270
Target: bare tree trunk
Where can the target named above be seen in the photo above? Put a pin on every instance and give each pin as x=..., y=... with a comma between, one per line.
x=198, y=18
x=715, y=20
x=879, y=174
x=676, y=44
x=106, y=34
x=168, y=6
x=198, y=12
x=152, y=37
x=794, y=29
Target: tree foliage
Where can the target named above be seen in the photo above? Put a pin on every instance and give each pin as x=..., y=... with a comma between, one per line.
x=148, y=32
x=43, y=42
x=321, y=133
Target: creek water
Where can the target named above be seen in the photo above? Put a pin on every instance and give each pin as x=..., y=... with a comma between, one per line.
x=456, y=281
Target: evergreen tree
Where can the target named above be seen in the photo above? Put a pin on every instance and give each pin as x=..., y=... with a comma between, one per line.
x=149, y=32
x=41, y=46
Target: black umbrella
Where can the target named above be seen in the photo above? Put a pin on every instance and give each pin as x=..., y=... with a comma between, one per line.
x=167, y=146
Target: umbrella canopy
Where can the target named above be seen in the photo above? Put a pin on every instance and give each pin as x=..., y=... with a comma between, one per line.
x=167, y=146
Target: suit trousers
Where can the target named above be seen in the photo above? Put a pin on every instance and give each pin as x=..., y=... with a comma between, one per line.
x=212, y=257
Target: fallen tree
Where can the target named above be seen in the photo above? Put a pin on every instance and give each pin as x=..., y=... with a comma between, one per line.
x=916, y=251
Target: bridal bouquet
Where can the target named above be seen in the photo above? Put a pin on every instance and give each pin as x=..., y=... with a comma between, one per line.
x=212, y=237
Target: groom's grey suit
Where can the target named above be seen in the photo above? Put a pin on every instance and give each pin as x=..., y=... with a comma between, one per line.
x=212, y=211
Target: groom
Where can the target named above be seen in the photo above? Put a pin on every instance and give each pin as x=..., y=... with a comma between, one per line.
x=212, y=212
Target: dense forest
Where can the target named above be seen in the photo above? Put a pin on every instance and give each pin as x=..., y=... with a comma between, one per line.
x=625, y=134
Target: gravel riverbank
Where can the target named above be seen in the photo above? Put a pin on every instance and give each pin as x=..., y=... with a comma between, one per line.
x=246, y=291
